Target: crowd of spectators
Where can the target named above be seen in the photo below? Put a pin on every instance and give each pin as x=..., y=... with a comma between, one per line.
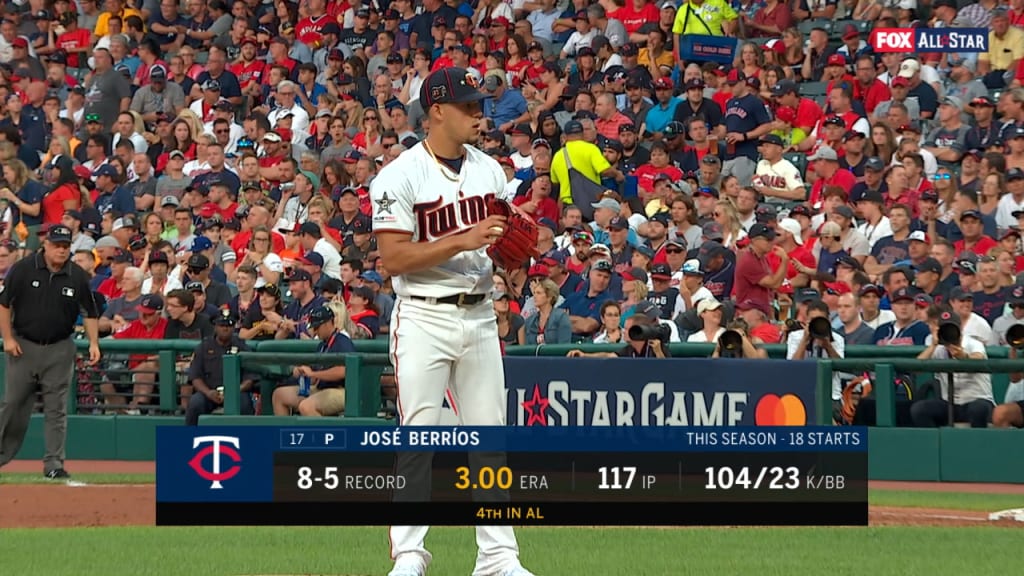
x=218, y=154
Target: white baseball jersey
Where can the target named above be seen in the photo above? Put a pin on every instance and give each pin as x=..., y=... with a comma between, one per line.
x=412, y=194
x=782, y=176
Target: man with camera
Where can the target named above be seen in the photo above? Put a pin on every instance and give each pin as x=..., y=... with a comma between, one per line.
x=972, y=392
x=646, y=337
x=817, y=339
x=736, y=342
x=1009, y=328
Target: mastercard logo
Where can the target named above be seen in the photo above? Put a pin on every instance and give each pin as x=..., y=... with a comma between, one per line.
x=787, y=410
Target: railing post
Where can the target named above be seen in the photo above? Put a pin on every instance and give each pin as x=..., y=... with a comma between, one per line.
x=232, y=385
x=823, y=399
x=168, y=378
x=885, y=397
x=267, y=387
x=354, y=386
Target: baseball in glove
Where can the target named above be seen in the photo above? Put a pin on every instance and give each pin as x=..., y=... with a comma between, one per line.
x=518, y=242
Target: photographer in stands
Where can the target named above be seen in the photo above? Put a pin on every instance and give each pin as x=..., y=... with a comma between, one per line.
x=735, y=342
x=972, y=392
x=817, y=339
x=646, y=337
x=1011, y=411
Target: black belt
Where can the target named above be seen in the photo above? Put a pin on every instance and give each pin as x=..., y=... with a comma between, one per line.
x=41, y=342
x=456, y=299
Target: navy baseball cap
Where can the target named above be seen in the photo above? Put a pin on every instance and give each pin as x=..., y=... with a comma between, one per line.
x=201, y=243
x=618, y=223
x=970, y=214
x=930, y=265
x=313, y=259
x=299, y=275
x=573, y=127
x=902, y=294
x=59, y=234
x=158, y=256
x=450, y=86
x=105, y=170
x=553, y=257
x=224, y=317
x=151, y=303
x=661, y=272
x=321, y=315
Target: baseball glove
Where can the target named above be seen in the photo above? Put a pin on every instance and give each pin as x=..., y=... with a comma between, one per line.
x=519, y=241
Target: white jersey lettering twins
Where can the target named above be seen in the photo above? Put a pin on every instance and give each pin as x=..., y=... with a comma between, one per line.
x=444, y=335
x=413, y=195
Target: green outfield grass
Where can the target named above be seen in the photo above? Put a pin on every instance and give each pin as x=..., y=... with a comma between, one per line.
x=946, y=500
x=548, y=551
x=356, y=551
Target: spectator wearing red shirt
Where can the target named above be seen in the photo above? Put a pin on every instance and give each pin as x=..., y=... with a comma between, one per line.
x=150, y=325
x=758, y=318
x=791, y=241
x=308, y=29
x=537, y=201
x=75, y=41
x=974, y=239
x=609, y=119
x=898, y=192
x=660, y=164
x=754, y=278
x=808, y=113
x=868, y=89
x=826, y=165
x=770, y=21
x=636, y=14
x=119, y=262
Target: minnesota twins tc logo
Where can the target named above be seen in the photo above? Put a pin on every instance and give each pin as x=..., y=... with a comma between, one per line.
x=217, y=448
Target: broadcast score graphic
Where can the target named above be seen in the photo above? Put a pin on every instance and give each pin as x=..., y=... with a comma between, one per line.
x=579, y=476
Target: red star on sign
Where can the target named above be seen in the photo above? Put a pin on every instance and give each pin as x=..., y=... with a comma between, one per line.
x=537, y=406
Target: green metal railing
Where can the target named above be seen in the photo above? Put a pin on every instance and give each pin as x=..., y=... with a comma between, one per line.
x=273, y=360
x=886, y=369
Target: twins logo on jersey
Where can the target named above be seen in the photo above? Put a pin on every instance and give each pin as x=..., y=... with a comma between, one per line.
x=772, y=181
x=436, y=219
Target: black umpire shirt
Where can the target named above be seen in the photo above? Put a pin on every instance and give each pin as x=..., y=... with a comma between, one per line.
x=46, y=305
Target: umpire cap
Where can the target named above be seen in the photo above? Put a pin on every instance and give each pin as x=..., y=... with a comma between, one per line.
x=450, y=86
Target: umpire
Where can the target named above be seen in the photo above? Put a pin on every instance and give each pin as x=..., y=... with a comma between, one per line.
x=40, y=301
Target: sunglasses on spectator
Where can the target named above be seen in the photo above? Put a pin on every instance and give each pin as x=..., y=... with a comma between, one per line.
x=673, y=251
x=943, y=176
x=194, y=271
x=986, y=259
x=9, y=244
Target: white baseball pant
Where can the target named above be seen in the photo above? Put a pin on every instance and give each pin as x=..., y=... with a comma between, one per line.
x=437, y=348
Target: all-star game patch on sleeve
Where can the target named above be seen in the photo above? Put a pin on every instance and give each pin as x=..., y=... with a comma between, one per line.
x=392, y=198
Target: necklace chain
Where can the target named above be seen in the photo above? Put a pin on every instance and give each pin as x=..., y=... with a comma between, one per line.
x=444, y=168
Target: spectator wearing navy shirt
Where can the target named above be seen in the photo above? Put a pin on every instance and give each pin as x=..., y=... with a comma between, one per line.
x=327, y=394
x=906, y=329
x=990, y=300
x=112, y=195
x=746, y=119
x=296, y=314
x=567, y=282
x=584, y=307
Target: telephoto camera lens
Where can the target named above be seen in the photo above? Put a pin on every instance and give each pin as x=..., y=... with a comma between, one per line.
x=949, y=334
x=1015, y=336
x=644, y=332
x=820, y=328
x=731, y=343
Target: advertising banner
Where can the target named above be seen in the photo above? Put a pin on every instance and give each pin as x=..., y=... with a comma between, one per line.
x=701, y=48
x=674, y=392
